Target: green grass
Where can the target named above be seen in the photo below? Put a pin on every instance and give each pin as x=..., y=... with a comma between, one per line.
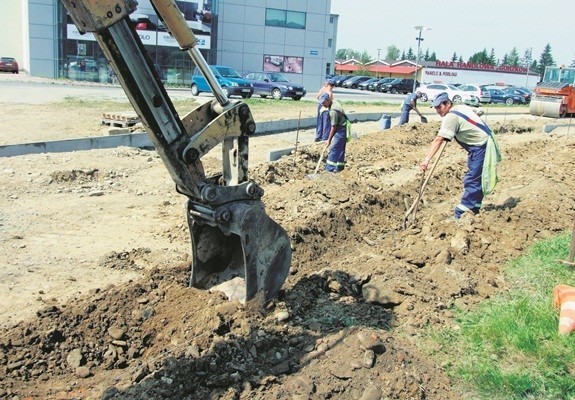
x=509, y=348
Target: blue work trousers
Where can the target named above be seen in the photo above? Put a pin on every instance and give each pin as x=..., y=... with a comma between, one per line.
x=404, y=117
x=336, y=157
x=472, y=191
x=323, y=124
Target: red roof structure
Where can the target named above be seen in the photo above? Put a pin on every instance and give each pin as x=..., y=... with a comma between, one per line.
x=375, y=69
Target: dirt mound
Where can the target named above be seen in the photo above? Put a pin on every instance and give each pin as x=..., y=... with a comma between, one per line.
x=361, y=288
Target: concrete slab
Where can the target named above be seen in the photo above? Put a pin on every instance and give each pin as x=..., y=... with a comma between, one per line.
x=142, y=139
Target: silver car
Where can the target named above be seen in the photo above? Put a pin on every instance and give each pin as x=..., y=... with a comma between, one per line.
x=483, y=95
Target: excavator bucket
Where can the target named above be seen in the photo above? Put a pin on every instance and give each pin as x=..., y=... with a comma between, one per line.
x=246, y=254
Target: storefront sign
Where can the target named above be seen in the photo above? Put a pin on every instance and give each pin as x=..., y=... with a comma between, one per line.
x=478, y=66
x=152, y=38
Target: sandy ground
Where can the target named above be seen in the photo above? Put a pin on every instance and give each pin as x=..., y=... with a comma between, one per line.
x=96, y=257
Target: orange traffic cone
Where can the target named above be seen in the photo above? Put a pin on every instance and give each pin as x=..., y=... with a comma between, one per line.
x=564, y=300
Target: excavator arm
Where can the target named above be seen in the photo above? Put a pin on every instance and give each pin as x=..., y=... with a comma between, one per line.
x=236, y=246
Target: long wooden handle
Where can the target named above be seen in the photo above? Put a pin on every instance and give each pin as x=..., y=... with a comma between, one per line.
x=418, y=198
x=319, y=161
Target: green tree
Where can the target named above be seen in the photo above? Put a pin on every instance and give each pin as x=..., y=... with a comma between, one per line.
x=480, y=58
x=347, y=54
x=432, y=57
x=364, y=57
x=545, y=60
x=513, y=57
x=393, y=52
x=492, y=58
x=426, y=55
x=454, y=57
x=410, y=54
x=403, y=56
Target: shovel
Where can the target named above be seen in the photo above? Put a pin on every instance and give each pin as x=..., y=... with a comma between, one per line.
x=413, y=208
x=312, y=176
x=423, y=119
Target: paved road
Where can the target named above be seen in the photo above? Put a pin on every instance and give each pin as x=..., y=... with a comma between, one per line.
x=22, y=88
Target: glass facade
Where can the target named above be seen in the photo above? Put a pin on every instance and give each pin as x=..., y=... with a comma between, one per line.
x=285, y=18
x=82, y=59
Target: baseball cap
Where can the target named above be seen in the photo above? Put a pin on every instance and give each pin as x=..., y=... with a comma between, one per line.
x=323, y=98
x=440, y=98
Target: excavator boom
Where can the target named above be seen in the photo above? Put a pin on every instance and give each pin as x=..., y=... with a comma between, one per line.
x=234, y=241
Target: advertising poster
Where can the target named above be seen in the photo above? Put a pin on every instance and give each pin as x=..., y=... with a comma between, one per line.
x=197, y=14
x=286, y=64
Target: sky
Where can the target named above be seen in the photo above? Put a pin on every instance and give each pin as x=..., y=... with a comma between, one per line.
x=465, y=27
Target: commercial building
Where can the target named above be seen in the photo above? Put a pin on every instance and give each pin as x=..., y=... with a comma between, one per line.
x=295, y=37
x=448, y=72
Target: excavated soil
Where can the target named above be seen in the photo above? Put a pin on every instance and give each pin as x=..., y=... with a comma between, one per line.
x=96, y=303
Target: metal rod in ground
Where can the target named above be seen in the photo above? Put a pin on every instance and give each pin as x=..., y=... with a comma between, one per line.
x=570, y=260
x=296, y=139
x=572, y=248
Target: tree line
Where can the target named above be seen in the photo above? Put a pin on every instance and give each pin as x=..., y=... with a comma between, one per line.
x=393, y=53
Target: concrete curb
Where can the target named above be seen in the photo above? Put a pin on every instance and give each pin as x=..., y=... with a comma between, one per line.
x=142, y=140
x=548, y=128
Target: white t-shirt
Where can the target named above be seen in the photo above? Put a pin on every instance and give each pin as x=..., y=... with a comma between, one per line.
x=454, y=126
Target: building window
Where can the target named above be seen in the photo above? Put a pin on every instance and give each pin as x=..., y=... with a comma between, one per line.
x=331, y=18
x=285, y=19
x=329, y=42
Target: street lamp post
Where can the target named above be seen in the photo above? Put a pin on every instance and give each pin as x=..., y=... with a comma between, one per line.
x=419, y=39
x=377, y=64
x=528, y=66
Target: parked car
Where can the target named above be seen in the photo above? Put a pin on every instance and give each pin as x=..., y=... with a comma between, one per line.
x=399, y=85
x=8, y=64
x=477, y=91
x=376, y=86
x=353, y=83
x=275, y=85
x=363, y=85
x=525, y=93
x=84, y=64
x=231, y=82
x=339, y=79
x=428, y=92
x=501, y=96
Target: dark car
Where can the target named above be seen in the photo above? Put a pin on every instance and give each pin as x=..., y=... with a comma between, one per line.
x=525, y=93
x=501, y=96
x=365, y=84
x=339, y=79
x=275, y=85
x=8, y=64
x=353, y=83
x=230, y=81
x=376, y=86
x=399, y=85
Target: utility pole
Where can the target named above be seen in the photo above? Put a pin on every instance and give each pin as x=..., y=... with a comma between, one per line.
x=528, y=66
x=377, y=65
x=419, y=39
